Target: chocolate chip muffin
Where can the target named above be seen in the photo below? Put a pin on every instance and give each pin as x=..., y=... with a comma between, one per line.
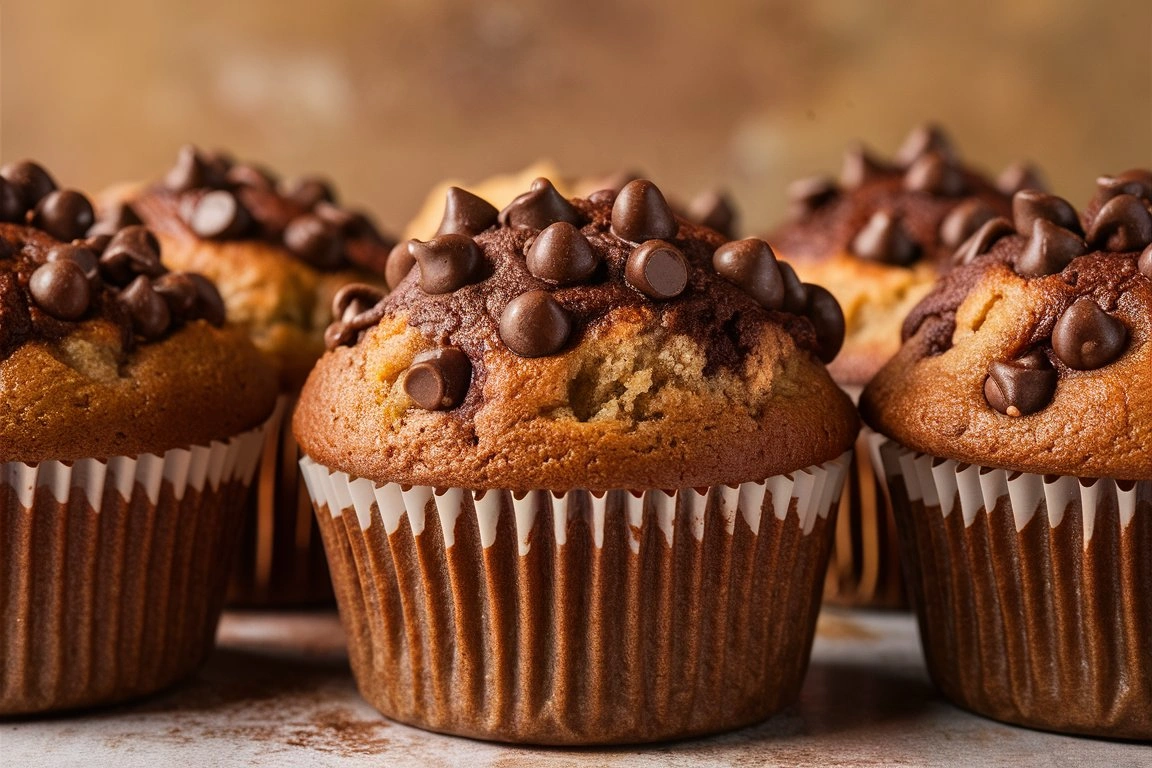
x=1018, y=418
x=575, y=474
x=279, y=251
x=878, y=240
x=129, y=433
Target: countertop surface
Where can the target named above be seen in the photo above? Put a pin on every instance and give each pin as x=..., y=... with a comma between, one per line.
x=277, y=692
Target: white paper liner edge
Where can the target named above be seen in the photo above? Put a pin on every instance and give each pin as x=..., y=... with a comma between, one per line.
x=816, y=490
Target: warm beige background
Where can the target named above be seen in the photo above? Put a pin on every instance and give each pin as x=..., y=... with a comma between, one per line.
x=388, y=98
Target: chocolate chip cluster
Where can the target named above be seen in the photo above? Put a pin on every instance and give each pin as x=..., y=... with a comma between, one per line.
x=81, y=267
x=224, y=200
x=901, y=211
x=1047, y=239
x=543, y=268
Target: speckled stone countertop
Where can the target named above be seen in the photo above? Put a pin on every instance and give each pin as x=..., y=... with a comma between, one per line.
x=278, y=692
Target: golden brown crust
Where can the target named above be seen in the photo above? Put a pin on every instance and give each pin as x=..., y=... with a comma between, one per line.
x=82, y=397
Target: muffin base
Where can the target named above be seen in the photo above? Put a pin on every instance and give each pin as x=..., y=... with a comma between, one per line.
x=112, y=573
x=579, y=619
x=1036, y=612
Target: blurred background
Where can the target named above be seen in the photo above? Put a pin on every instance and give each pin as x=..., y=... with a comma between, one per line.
x=387, y=98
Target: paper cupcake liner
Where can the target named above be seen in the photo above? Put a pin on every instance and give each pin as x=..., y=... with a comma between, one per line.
x=1032, y=591
x=112, y=572
x=579, y=618
x=281, y=560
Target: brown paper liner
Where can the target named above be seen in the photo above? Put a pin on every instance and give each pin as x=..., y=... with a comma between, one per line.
x=1044, y=626
x=281, y=561
x=112, y=573
x=533, y=641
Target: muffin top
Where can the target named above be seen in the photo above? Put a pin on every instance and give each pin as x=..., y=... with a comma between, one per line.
x=880, y=237
x=103, y=350
x=1034, y=355
x=278, y=251
x=592, y=343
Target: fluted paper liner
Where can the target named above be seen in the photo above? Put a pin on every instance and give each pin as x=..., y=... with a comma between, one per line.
x=281, y=559
x=1034, y=593
x=579, y=618
x=112, y=572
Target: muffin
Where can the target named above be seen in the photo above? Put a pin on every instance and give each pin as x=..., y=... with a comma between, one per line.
x=130, y=423
x=878, y=241
x=576, y=474
x=1017, y=443
x=278, y=252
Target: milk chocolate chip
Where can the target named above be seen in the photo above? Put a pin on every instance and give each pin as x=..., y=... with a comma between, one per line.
x=84, y=257
x=561, y=255
x=640, y=213
x=447, y=262
x=1031, y=204
x=65, y=214
x=935, y=175
x=438, y=380
x=219, y=215
x=11, y=203
x=828, y=320
x=315, y=241
x=1019, y=176
x=534, y=325
x=178, y=290
x=858, y=167
x=355, y=307
x=132, y=251
x=1086, y=337
x=61, y=289
x=31, y=181
x=1122, y=224
x=466, y=213
x=1050, y=248
x=924, y=139
x=751, y=265
x=963, y=220
x=657, y=269
x=189, y=172
x=883, y=239
x=1136, y=182
x=399, y=264
x=148, y=310
x=795, y=294
x=209, y=303
x=983, y=239
x=714, y=210
x=1022, y=386
x=540, y=206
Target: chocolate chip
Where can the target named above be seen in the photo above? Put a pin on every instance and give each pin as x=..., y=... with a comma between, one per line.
x=82, y=256
x=307, y=191
x=1022, y=386
x=61, y=289
x=1030, y=204
x=219, y=215
x=562, y=255
x=149, y=312
x=751, y=265
x=315, y=241
x=1145, y=263
x=466, y=213
x=534, y=325
x=713, y=209
x=858, y=167
x=883, y=239
x=209, y=303
x=132, y=251
x=355, y=299
x=1020, y=176
x=447, y=262
x=252, y=176
x=190, y=171
x=11, y=203
x=1136, y=182
x=923, y=139
x=640, y=213
x=113, y=219
x=1050, y=248
x=1122, y=224
x=1086, y=337
x=963, y=220
x=934, y=174
x=983, y=239
x=31, y=181
x=65, y=214
x=806, y=195
x=399, y=264
x=795, y=294
x=540, y=206
x=657, y=269
x=217, y=164
x=95, y=243
x=438, y=380
x=179, y=291
x=828, y=320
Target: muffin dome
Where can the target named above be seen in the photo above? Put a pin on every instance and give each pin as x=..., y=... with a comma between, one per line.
x=588, y=343
x=103, y=350
x=278, y=251
x=1034, y=354
x=880, y=237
